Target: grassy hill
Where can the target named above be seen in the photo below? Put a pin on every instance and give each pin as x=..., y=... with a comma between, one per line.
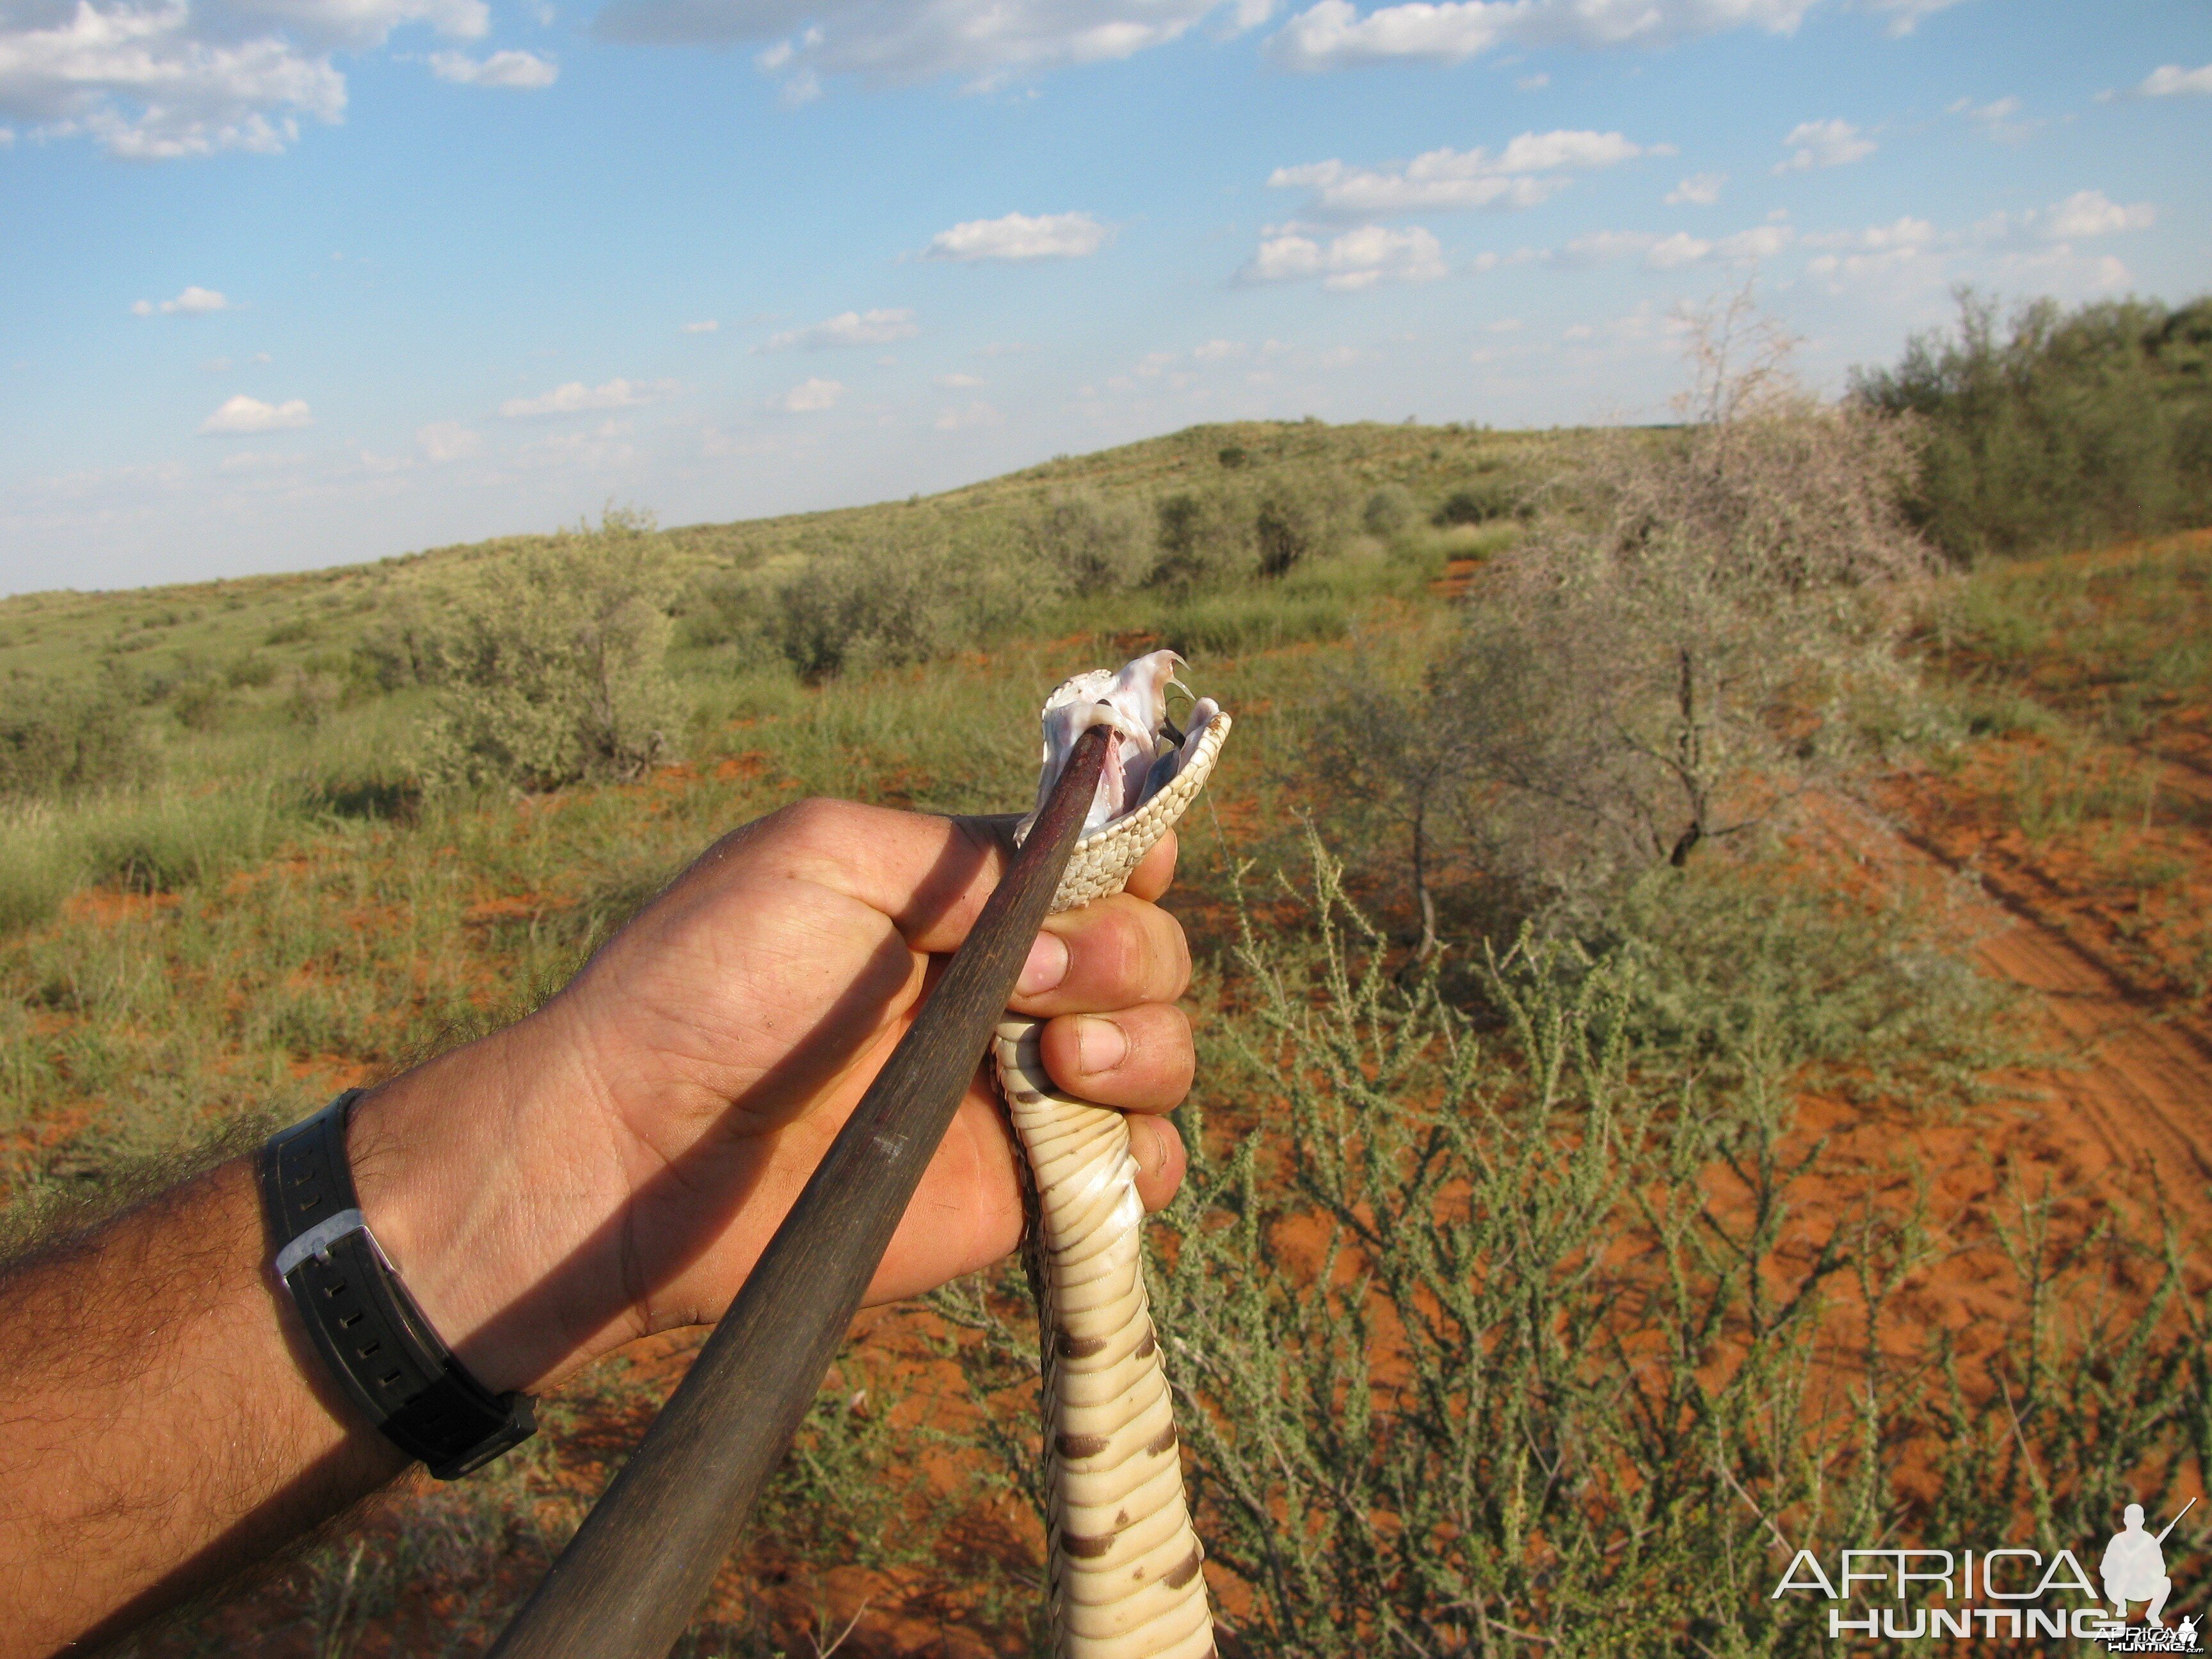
x=295, y=622
x=166, y=733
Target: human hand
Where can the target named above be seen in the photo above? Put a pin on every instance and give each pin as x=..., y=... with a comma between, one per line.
x=615, y=1164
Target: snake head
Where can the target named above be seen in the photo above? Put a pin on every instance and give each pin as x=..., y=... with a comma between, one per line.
x=1143, y=751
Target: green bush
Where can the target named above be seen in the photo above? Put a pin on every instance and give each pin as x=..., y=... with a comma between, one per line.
x=1389, y=512
x=907, y=596
x=313, y=699
x=251, y=670
x=1095, y=543
x=1299, y=517
x=1206, y=538
x=64, y=742
x=1481, y=503
x=554, y=671
x=2057, y=429
x=202, y=705
x=407, y=646
x=725, y=607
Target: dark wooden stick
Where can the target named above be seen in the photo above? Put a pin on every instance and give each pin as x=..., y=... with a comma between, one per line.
x=633, y=1575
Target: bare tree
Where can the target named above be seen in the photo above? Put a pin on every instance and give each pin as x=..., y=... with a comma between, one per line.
x=1670, y=664
x=1400, y=755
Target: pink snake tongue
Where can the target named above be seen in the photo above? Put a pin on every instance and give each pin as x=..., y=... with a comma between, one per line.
x=1132, y=704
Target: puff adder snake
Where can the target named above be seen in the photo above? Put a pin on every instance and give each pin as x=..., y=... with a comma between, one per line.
x=1123, y=1560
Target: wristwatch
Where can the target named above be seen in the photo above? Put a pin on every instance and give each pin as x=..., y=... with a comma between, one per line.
x=383, y=1352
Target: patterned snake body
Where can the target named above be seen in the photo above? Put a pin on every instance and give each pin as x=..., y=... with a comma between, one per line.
x=1125, y=1578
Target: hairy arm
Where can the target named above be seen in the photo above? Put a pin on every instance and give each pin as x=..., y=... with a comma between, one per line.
x=162, y=1422
x=610, y=1167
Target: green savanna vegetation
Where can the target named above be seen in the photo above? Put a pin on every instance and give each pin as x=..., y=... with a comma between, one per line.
x=1557, y=1246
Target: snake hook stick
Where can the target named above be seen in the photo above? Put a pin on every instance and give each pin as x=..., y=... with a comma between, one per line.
x=635, y=1572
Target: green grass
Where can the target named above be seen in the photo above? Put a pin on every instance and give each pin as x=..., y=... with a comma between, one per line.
x=288, y=943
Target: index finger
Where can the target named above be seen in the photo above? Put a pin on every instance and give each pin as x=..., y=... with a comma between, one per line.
x=1156, y=872
x=929, y=875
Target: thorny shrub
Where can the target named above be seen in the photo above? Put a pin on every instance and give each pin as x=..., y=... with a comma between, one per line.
x=1485, y=1342
x=1678, y=658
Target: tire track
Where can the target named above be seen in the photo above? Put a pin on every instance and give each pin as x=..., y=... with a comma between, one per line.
x=2137, y=1106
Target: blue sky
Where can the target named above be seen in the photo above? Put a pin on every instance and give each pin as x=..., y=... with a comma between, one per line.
x=296, y=282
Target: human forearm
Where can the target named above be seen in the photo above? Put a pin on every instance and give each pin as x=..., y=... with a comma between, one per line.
x=610, y=1166
x=162, y=1422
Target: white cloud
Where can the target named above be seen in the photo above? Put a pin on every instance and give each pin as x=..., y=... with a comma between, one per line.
x=1648, y=330
x=706, y=327
x=1535, y=82
x=575, y=398
x=1906, y=231
x=1997, y=120
x=1759, y=242
x=603, y=448
x=2091, y=213
x=1357, y=258
x=959, y=382
x=1673, y=253
x=258, y=460
x=849, y=328
x=1876, y=251
x=1597, y=246
x=1905, y=15
x=968, y=419
x=1525, y=173
x=986, y=43
x=165, y=79
x=1698, y=190
x=1018, y=236
x=192, y=301
x=1214, y=351
x=1504, y=326
x=2171, y=81
x=1823, y=144
x=1334, y=34
x=245, y=414
x=524, y=71
x=447, y=440
x=812, y=396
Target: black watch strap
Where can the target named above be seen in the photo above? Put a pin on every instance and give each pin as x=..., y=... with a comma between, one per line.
x=382, y=1351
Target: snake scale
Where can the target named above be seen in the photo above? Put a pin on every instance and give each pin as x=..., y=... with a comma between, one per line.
x=1123, y=1560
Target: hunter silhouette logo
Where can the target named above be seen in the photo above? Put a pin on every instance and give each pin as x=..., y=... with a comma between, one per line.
x=2133, y=1570
x=2012, y=1594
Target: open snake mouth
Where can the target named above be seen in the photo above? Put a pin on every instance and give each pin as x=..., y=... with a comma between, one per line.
x=1143, y=748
